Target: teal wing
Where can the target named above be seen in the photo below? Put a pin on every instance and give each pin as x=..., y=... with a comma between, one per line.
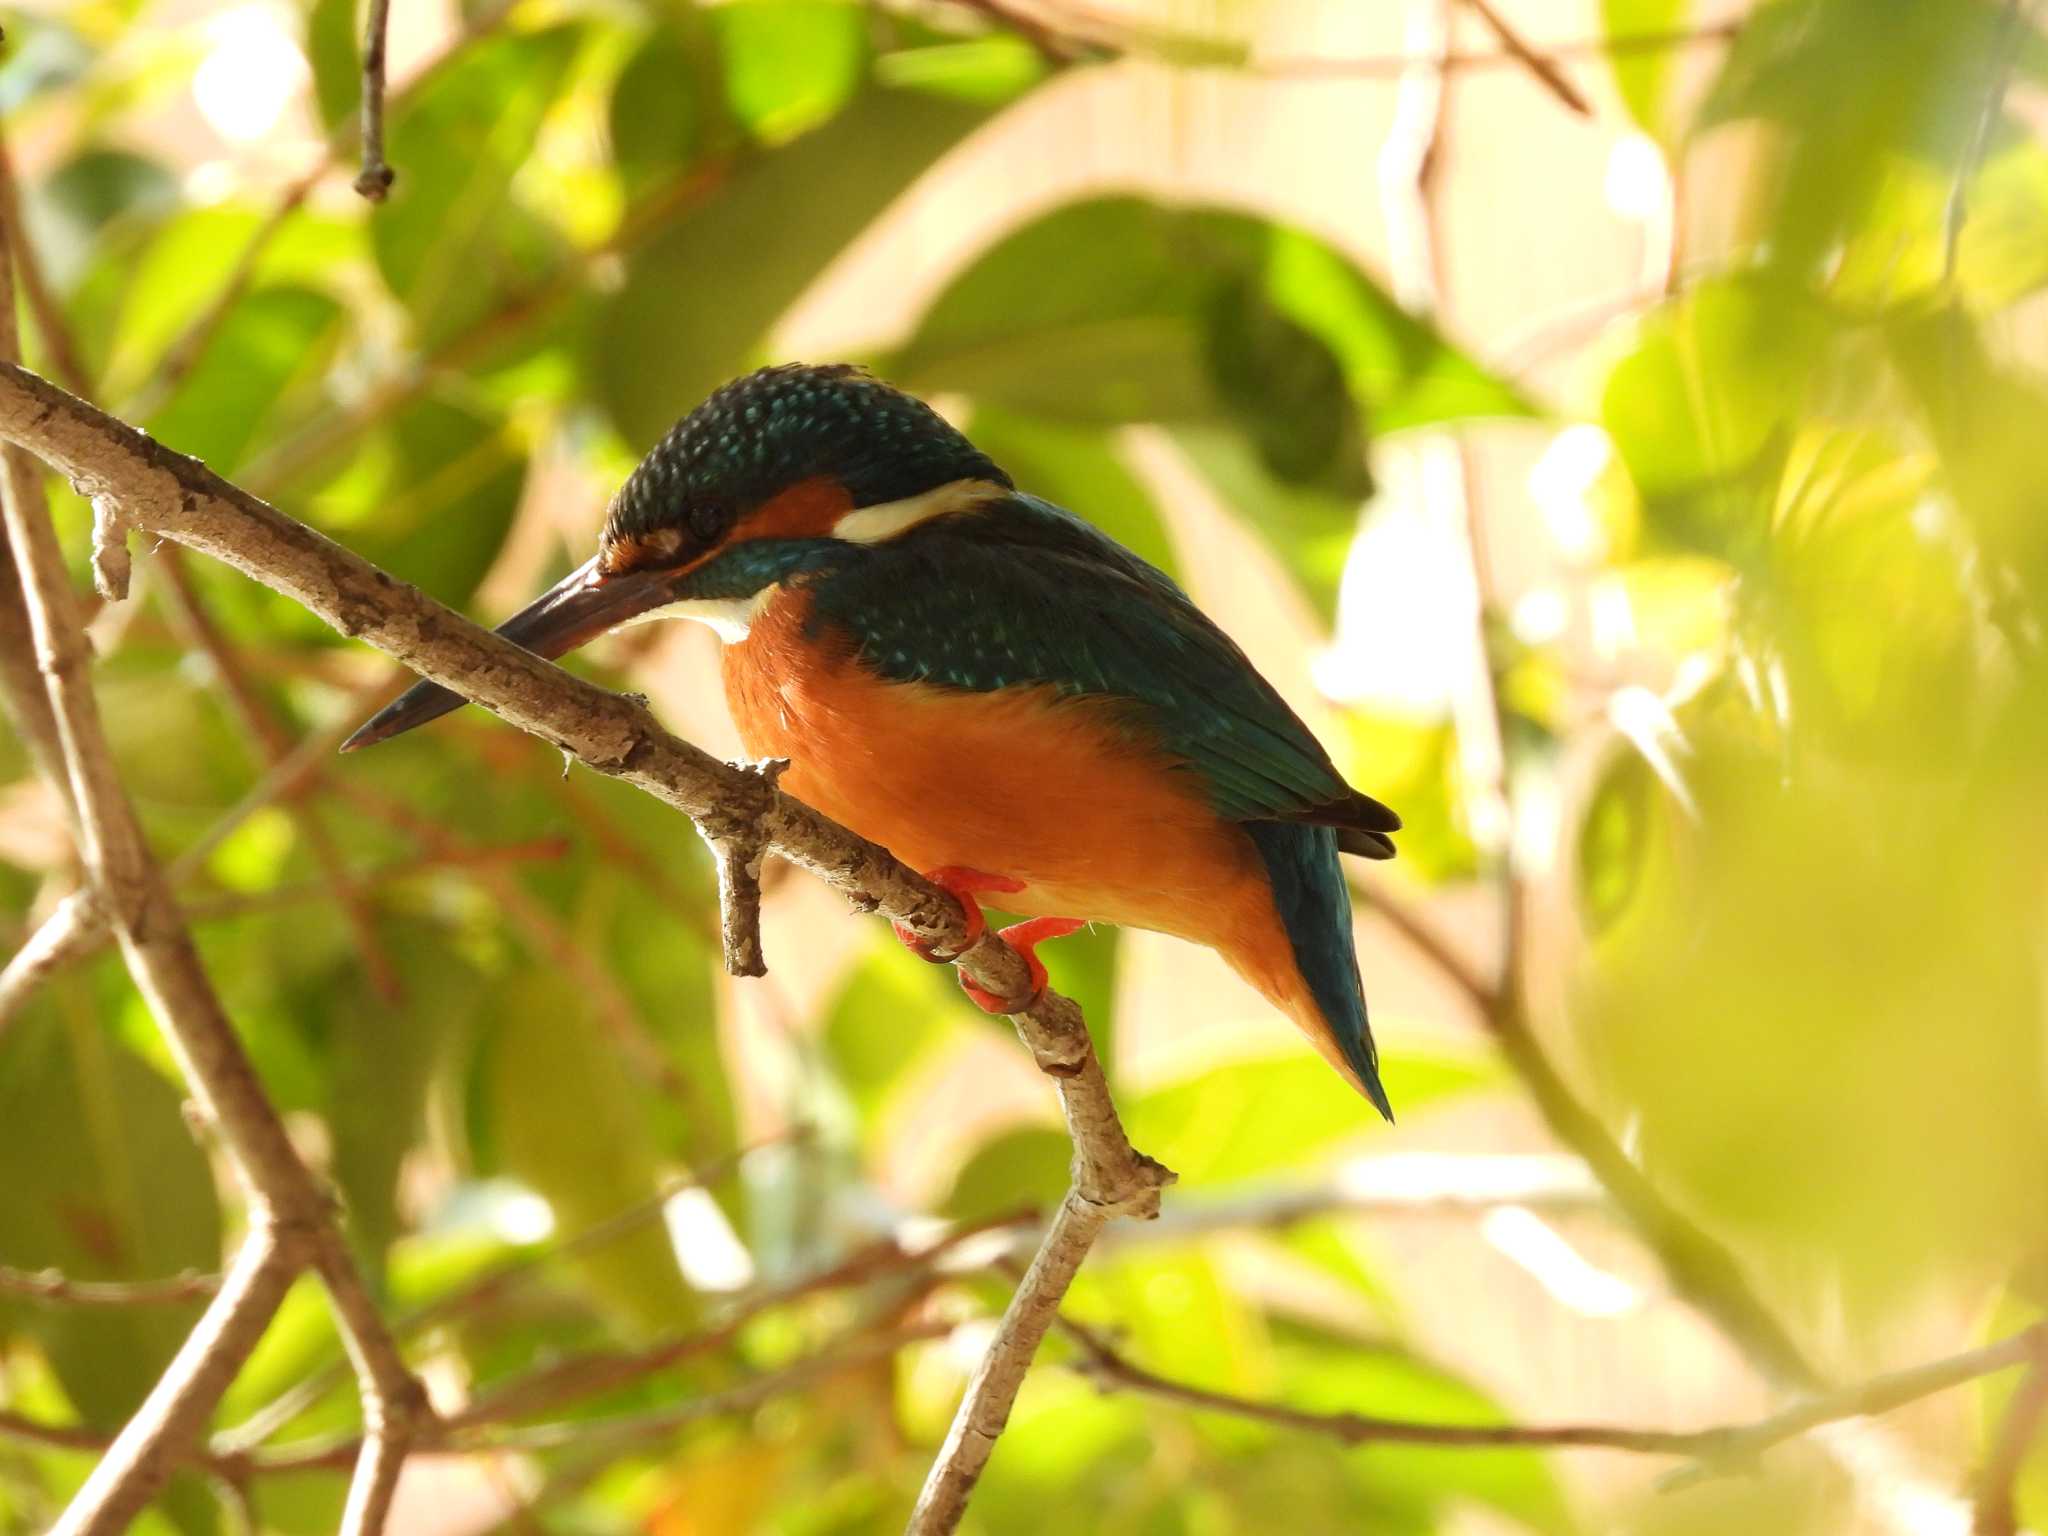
x=1027, y=594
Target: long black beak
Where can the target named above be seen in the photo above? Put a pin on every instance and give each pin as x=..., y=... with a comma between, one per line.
x=580, y=607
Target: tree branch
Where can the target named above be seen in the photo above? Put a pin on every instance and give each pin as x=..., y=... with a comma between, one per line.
x=1723, y=1448
x=168, y=1425
x=985, y=1410
x=169, y=494
x=282, y=1196
x=1541, y=68
x=374, y=182
x=1701, y=1268
x=2017, y=1431
x=47, y=1285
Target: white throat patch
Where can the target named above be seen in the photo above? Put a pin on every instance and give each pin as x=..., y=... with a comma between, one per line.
x=873, y=525
x=732, y=617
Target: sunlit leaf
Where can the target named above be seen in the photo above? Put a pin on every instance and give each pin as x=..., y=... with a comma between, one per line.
x=790, y=64
x=453, y=239
x=690, y=317
x=1643, y=74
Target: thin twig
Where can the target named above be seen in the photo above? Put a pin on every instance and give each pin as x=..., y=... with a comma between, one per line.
x=1542, y=68
x=291, y=1220
x=183, y=354
x=26, y=274
x=1712, y=1452
x=50, y=1287
x=374, y=182
x=166, y=1428
x=739, y=852
x=992, y=1392
x=2017, y=1432
x=1394, y=66
x=79, y=926
x=271, y=742
x=664, y=1421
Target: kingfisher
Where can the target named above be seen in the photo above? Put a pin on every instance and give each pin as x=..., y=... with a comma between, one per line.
x=983, y=683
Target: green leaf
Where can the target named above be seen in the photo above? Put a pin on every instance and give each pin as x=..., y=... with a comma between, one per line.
x=104, y=1183
x=569, y=1122
x=1118, y=309
x=69, y=210
x=1857, y=97
x=892, y=1011
x=334, y=47
x=667, y=108
x=990, y=70
x=790, y=64
x=453, y=240
x=1081, y=469
x=1702, y=409
x=1222, y=1125
x=1028, y=1167
x=1643, y=75
x=1309, y=529
x=270, y=352
x=459, y=474
x=698, y=302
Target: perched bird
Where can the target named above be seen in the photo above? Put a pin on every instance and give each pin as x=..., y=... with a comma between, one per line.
x=983, y=683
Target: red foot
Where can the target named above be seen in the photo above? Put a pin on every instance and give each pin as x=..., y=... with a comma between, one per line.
x=961, y=884
x=1024, y=937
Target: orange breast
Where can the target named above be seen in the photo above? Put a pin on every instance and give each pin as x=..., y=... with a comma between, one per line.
x=1053, y=792
x=1050, y=792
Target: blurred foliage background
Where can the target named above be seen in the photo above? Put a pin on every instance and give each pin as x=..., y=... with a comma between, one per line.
x=1640, y=494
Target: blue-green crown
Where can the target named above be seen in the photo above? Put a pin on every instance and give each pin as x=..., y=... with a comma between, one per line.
x=763, y=433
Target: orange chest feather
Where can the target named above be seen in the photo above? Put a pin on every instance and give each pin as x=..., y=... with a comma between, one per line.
x=1058, y=793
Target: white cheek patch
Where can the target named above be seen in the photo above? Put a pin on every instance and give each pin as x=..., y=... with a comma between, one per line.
x=732, y=617
x=872, y=525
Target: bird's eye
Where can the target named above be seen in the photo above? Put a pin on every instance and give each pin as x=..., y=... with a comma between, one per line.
x=706, y=523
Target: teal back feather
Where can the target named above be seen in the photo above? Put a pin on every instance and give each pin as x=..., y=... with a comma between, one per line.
x=1315, y=908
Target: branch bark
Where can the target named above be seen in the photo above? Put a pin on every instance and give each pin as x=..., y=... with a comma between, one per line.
x=167, y=1426
x=374, y=181
x=283, y=1198
x=1721, y=1449
x=166, y=493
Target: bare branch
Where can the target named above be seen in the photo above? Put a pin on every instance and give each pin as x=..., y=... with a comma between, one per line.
x=111, y=563
x=170, y=494
x=74, y=930
x=739, y=850
x=171, y=1419
x=2017, y=1431
x=1393, y=66
x=54, y=1289
x=374, y=183
x=282, y=1195
x=1543, y=69
x=1701, y=1268
x=271, y=743
x=992, y=1393
x=1723, y=1448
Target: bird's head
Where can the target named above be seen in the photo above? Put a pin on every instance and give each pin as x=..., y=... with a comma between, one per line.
x=758, y=478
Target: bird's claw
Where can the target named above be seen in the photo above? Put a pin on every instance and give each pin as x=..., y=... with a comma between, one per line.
x=1024, y=938
x=961, y=884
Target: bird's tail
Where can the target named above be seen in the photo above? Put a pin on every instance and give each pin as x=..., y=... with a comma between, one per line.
x=1314, y=906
